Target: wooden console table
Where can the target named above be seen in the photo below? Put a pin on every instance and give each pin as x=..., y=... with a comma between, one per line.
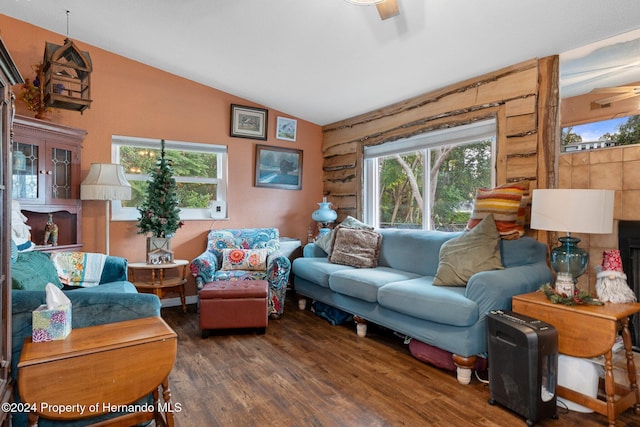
x=159, y=284
x=590, y=331
x=97, y=369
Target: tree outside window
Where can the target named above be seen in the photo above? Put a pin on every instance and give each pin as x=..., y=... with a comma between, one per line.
x=199, y=171
x=455, y=173
x=601, y=134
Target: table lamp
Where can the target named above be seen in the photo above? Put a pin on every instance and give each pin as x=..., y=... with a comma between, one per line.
x=105, y=182
x=324, y=215
x=572, y=211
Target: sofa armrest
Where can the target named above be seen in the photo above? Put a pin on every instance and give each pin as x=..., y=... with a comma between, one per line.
x=493, y=290
x=203, y=268
x=114, y=270
x=312, y=250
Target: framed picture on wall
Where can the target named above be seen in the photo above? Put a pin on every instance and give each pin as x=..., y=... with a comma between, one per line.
x=248, y=122
x=278, y=167
x=286, y=128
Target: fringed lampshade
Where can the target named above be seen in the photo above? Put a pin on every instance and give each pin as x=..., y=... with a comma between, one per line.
x=105, y=182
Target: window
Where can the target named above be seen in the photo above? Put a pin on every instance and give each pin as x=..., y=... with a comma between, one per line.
x=200, y=171
x=601, y=134
x=429, y=181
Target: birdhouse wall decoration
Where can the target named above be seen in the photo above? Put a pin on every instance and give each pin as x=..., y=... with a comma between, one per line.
x=66, y=76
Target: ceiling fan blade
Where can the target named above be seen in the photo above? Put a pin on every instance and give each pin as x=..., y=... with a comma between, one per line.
x=615, y=98
x=617, y=89
x=388, y=9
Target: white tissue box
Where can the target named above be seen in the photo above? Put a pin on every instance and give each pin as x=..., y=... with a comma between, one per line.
x=49, y=325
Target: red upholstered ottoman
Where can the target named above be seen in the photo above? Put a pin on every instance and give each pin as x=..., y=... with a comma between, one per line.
x=234, y=304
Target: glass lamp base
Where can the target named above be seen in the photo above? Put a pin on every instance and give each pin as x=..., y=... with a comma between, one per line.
x=569, y=258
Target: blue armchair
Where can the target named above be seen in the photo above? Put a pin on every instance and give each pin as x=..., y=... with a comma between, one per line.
x=114, y=300
x=207, y=267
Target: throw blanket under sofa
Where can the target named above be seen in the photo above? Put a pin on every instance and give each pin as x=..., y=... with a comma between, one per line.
x=399, y=293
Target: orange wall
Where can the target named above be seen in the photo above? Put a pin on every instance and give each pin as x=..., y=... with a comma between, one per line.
x=133, y=99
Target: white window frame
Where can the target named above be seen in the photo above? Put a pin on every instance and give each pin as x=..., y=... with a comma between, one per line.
x=459, y=135
x=120, y=213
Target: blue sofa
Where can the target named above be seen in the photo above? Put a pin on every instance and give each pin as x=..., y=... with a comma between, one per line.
x=115, y=299
x=399, y=293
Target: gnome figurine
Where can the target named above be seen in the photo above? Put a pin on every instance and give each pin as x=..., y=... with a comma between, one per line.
x=611, y=282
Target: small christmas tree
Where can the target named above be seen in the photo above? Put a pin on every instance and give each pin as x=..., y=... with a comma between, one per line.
x=159, y=213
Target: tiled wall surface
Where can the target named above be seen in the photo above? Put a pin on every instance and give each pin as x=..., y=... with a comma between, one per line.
x=616, y=168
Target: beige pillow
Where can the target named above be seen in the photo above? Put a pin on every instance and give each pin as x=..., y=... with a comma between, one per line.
x=355, y=247
x=325, y=240
x=476, y=250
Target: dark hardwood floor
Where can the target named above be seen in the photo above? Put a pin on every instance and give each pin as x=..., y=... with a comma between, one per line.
x=305, y=372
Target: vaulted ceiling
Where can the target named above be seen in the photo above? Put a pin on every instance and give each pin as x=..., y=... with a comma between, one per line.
x=328, y=60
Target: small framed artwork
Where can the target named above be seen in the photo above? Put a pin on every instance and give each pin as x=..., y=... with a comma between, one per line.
x=286, y=128
x=248, y=122
x=278, y=167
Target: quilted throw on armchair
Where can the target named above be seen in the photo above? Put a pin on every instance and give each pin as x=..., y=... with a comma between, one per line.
x=259, y=258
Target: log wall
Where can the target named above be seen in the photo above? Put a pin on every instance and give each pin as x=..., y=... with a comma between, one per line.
x=523, y=98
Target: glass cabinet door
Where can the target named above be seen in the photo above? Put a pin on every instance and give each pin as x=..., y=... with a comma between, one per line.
x=25, y=171
x=61, y=167
x=44, y=173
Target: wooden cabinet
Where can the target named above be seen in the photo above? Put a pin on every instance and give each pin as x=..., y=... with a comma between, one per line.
x=46, y=178
x=9, y=76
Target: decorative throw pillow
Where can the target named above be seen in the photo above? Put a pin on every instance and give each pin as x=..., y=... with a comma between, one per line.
x=503, y=203
x=476, y=250
x=32, y=271
x=355, y=247
x=524, y=211
x=325, y=240
x=244, y=259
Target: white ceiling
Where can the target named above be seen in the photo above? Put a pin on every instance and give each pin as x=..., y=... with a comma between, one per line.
x=328, y=60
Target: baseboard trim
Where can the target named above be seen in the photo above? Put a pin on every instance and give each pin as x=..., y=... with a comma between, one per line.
x=175, y=302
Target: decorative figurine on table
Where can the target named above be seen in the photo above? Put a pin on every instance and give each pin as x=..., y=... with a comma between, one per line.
x=51, y=232
x=611, y=282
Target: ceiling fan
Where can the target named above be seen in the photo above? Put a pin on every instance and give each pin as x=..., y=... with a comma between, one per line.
x=386, y=8
x=616, y=93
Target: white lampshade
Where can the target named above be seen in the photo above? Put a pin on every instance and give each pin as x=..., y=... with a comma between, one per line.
x=105, y=182
x=572, y=210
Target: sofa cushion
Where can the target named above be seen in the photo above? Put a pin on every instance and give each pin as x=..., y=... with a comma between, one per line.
x=355, y=247
x=504, y=204
x=317, y=270
x=32, y=271
x=117, y=287
x=474, y=251
x=365, y=283
x=419, y=298
x=244, y=259
x=240, y=275
x=416, y=251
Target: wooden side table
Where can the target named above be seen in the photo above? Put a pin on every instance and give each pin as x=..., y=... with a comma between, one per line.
x=590, y=331
x=159, y=284
x=97, y=369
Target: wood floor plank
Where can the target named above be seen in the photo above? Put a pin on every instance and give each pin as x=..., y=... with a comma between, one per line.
x=305, y=372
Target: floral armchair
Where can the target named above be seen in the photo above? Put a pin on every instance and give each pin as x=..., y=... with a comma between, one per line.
x=218, y=262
